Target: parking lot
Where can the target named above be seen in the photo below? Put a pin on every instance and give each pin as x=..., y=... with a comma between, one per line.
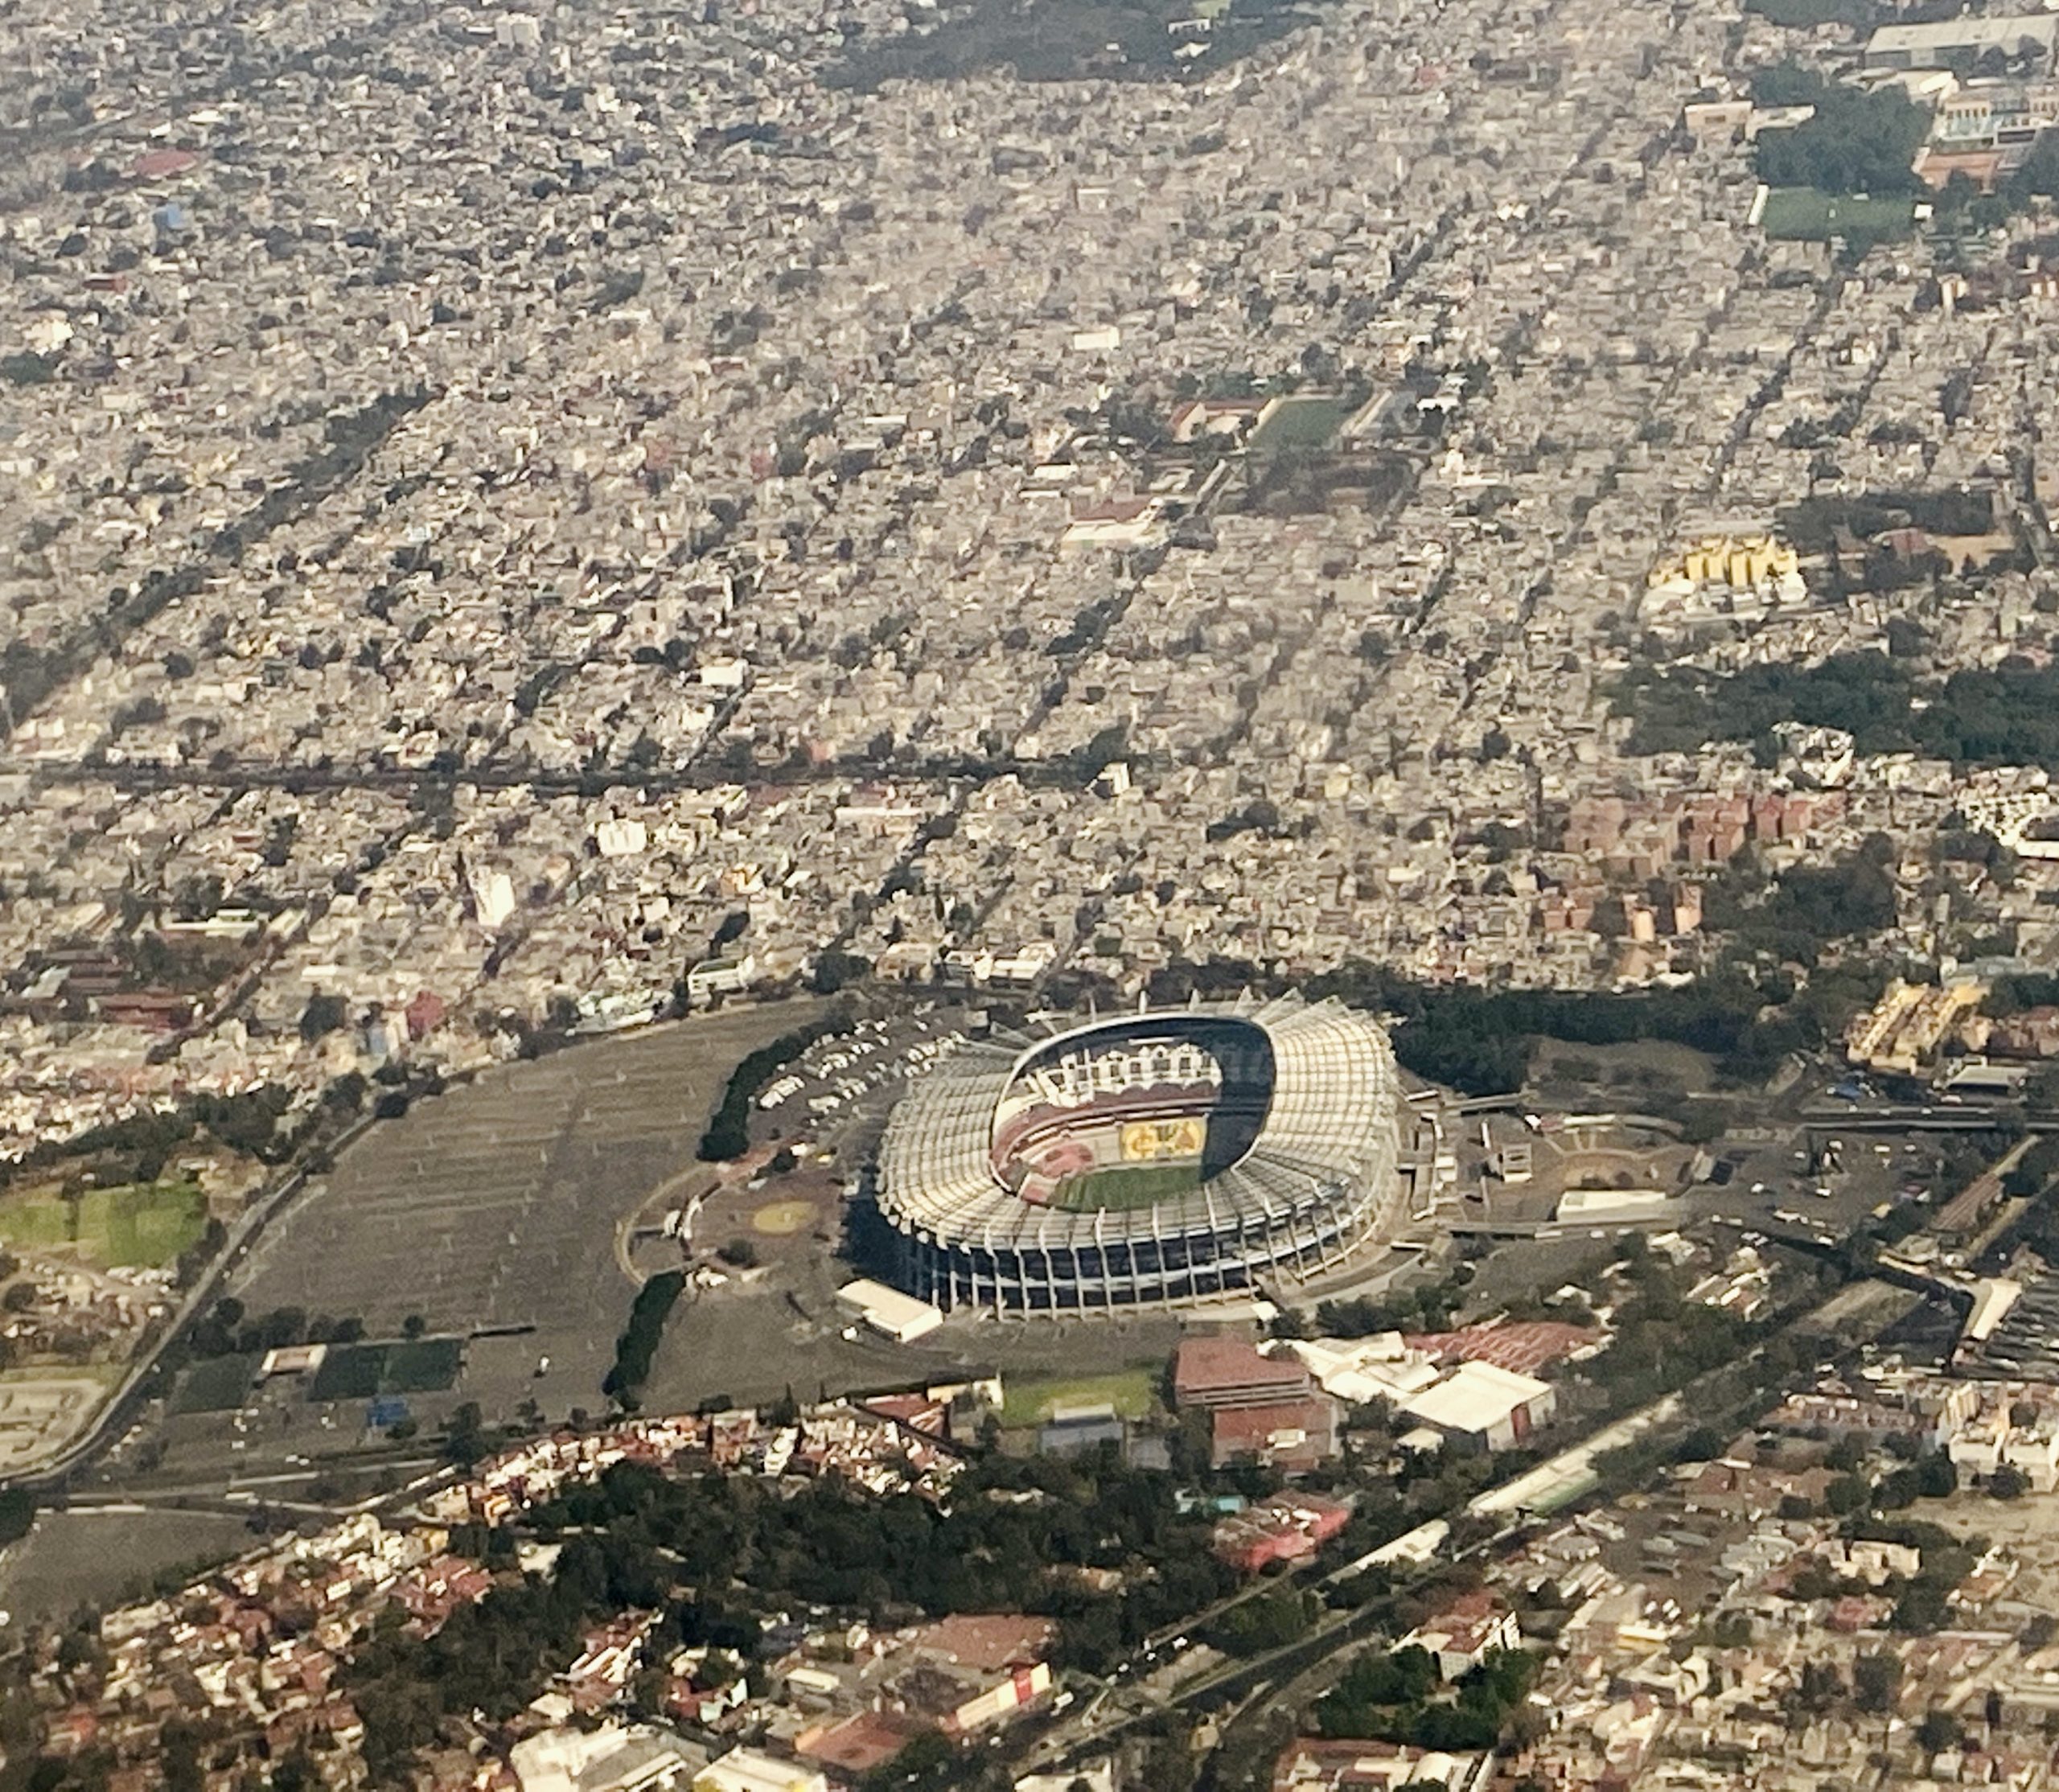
x=495, y=1207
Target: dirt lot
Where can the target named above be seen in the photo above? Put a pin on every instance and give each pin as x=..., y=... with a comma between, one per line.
x=75, y=1558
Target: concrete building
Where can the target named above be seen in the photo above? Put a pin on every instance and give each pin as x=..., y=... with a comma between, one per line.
x=1962, y=43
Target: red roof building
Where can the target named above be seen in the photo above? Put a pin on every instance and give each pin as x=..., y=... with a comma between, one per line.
x=159, y=164
x=1220, y=1372
x=1283, y=1529
x=1294, y=1436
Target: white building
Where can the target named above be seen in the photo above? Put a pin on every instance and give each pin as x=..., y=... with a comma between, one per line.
x=888, y=1312
x=638, y=1757
x=752, y=1770
x=1482, y=1407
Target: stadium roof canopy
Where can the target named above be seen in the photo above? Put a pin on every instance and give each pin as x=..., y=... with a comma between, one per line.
x=1330, y=1119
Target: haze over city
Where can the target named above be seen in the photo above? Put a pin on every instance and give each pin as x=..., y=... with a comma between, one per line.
x=1155, y=894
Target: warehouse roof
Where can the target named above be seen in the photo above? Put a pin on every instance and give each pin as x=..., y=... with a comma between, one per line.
x=1963, y=34
x=1476, y=1397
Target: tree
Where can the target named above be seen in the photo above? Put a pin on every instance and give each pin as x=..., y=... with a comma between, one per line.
x=17, y=1515
x=1876, y=1683
x=2008, y=1482
x=464, y=1440
x=1936, y=1475
x=1822, y=1686
x=1921, y=1610
x=836, y=970
x=1847, y=1493
x=1938, y=1731
x=322, y=1015
x=1730, y=1630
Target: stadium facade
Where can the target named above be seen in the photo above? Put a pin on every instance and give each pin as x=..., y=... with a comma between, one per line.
x=1152, y=1157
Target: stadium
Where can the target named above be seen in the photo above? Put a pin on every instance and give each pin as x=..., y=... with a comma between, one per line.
x=1149, y=1158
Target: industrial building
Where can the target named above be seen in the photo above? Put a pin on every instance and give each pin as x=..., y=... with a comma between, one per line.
x=1263, y=1409
x=1960, y=43
x=1480, y=1407
x=1157, y=1157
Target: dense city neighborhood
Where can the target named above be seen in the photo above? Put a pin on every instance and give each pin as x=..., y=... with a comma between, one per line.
x=1158, y=895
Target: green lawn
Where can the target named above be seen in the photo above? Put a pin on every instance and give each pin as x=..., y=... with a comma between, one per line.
x=350, y=1372
x=1800, y=214
x=1303, y=423
x=1123, y=1186
x=427, y=1366
x=215, y=1384
x=1133, y=1392
x=142, y=1227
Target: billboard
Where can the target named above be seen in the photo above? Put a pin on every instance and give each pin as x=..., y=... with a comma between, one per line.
x=1154, y=1141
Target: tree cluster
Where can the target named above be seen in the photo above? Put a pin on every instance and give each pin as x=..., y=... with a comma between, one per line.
x=638, y=1344
x=1857, y=142
x=1013, y=1529
x=728, y=1137
x=2007, y=714
x=1662, y=1339
x=1398, y=1698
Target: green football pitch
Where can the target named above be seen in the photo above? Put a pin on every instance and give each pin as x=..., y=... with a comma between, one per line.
x=1123, y=1186
x=144, y=1226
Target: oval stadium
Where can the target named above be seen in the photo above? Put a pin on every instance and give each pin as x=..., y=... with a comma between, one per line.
x=1151, y=1158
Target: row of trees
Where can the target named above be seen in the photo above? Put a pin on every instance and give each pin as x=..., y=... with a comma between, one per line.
x=1429, y=1309
x=728, y=1137
x=638, y=1344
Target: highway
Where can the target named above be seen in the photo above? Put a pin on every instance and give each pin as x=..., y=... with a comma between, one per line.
x=1928, y=1117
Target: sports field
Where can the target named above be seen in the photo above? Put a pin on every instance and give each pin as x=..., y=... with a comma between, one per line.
x=415, y=1366
x=1126, y=1186
x=1133, y=1392
x=142, y=1227
x=216, y=1384
x=1800, y=214
x=1303, y=423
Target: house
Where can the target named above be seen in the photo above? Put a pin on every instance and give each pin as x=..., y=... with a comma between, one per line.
x=1286, y=1528
x=1465, y=1633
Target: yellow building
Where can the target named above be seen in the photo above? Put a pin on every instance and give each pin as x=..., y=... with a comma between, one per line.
x=1907, y=1024
x=1739, y=561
